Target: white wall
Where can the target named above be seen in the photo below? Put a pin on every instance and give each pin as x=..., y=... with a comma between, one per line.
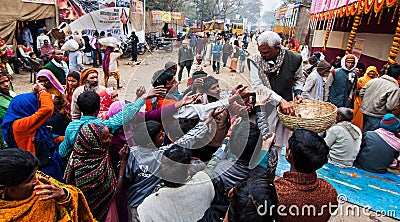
x=376, y=45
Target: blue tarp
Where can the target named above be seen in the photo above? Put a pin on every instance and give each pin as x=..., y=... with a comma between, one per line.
x=378, y=192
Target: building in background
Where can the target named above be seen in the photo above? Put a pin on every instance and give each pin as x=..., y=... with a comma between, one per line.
x=369, y=29
x=291, y=21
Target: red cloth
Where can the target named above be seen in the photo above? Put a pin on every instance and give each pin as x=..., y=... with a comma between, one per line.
x=161, y=102
x=300, y=189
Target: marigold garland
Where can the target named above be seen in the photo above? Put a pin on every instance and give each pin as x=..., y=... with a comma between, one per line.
x=353, y=34
x=378, y=5
x=390, y=3
x=368, y=6
x=328, y=31
x=394, y=50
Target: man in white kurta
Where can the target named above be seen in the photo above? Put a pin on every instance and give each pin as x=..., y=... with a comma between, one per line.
x=277, y=71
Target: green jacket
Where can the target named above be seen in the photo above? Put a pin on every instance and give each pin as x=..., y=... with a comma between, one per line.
x=58, y=72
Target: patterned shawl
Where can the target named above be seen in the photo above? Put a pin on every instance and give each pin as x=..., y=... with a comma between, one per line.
x=33, y=209
x=90, y=169
x=266, y=67
x=50, y=76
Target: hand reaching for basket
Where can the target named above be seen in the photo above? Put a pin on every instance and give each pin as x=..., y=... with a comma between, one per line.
x=287, y=107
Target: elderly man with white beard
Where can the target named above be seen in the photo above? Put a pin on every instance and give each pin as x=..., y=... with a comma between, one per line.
x=277, y=71
x=89, y=82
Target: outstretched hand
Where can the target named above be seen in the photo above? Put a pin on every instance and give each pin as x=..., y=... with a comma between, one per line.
x=240, y=93
x=50, y=191
x=262, y=97
x=189, y=98
x=214, y=113
x=124, y=153
x=156, y=91
x=140, y=91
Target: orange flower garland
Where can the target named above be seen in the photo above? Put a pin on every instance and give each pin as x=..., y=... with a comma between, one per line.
x=353, y=34
x=394, y=50
x=390, y=3
x=368, y=5
x=379, y=5
x=328, y=31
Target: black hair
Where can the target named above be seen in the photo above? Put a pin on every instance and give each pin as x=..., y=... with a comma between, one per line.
x=247, y=198
x=347, y=113
x=96, y=33
x=174, y=166
x=394, y=71
x=161, y=77
x=74, y=74
x=317, y=54
x=313, y=58
x=245, y=140
x=361, y=66
x=16, y=166
x=4, y=74
x=102, y=33
x=31, y=53
x=208, y=82
x=309, y=151
x=145, y=133
x=88, y=102
x=236, y=43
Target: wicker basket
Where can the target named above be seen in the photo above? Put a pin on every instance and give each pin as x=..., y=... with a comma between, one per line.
x=325, y=116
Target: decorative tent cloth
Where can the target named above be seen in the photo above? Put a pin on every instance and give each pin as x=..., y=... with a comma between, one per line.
x=378, y=192
x=323, y=9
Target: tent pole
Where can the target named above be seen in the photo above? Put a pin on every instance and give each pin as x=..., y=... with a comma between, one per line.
x=57, y=13
x=144, y=16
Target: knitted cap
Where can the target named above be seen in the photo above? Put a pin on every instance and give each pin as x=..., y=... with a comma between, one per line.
x=390, y=123
x=169, y=65
x=199, y=74
x=323, y=65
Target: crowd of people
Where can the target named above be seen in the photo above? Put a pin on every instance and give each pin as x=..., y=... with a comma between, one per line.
x=190, y=154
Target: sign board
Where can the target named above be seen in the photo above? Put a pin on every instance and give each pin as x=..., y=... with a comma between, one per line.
x=166, y=17
x=156, y=16
x=358, y=47
x=137, y=6
x=107, y=20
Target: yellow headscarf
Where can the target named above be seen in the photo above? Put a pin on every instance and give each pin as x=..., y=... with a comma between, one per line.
x=33, y=209
x=363, y=80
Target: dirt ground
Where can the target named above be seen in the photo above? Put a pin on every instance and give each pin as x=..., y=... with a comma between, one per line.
x=133, y=76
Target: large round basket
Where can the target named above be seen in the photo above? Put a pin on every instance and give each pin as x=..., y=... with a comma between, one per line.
x=325, y=116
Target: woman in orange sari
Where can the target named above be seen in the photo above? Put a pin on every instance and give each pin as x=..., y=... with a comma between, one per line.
x=29, y=195
x=370, y=73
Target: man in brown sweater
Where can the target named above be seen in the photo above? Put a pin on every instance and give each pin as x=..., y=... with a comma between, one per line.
x=301, y=195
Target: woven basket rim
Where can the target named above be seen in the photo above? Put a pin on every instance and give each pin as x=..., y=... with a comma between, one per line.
x=307, y=100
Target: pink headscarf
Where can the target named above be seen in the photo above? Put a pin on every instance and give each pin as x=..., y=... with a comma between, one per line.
x=50, y=76
x=116, y=107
